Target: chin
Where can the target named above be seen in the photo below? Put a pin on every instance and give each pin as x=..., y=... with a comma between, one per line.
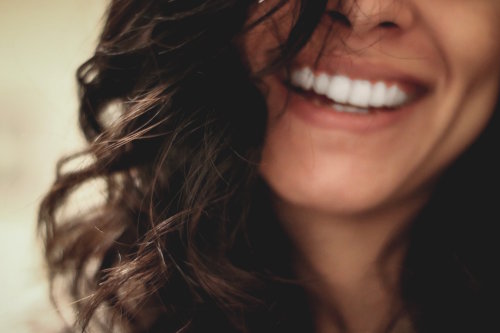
x=341, y=195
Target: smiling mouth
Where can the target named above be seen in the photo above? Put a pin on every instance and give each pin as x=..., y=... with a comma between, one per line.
x=356, y=96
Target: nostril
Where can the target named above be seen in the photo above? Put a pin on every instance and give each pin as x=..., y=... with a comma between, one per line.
x=338, y=17
x=387, y=25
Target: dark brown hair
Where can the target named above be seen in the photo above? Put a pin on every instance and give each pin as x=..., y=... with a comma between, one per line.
x=183, y=238
x=174, y=126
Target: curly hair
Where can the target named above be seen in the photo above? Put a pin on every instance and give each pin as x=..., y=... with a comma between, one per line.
x=174, y=126
x=184, y=238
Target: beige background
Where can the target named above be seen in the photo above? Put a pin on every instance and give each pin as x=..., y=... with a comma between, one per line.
x=41, y=45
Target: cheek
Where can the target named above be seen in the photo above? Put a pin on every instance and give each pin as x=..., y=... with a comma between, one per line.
x=473, y=58
x=469, y=38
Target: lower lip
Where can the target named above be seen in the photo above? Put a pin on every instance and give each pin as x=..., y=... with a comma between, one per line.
x=327, y=117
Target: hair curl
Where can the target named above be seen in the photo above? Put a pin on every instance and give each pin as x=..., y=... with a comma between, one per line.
x=174, y=126
x=184, y=239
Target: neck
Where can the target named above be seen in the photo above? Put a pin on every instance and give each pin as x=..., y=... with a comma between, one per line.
x=350, y=265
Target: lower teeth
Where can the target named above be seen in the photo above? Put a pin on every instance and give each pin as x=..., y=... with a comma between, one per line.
x=349, y=108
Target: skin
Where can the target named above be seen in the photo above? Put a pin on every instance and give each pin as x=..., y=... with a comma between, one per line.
x=342, y=195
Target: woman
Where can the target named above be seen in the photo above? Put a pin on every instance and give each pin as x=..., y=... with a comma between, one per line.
x=285, y=166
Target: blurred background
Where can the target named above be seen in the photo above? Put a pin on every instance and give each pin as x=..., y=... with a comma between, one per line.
x=41, y=45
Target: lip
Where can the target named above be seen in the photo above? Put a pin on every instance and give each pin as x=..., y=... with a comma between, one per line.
x=326, y=117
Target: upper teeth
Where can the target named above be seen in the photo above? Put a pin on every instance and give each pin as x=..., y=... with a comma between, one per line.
x=341, y=89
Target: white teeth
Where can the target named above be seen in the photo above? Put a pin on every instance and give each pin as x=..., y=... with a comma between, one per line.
x=339, y=89
x=358, y=93
x=321, y=84
x=391, y=96
x=308, y=79
x=349, y=108
x=296, y=78
x=303, y=78
x=379, y=91
x=401, y=97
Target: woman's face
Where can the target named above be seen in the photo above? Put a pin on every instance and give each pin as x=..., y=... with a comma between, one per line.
x=417, y=80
